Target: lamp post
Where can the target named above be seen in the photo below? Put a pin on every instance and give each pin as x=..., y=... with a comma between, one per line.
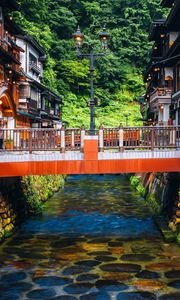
x=127, y=118
x=79, y=38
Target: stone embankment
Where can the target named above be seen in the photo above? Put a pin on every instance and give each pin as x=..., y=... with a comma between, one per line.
x=161, y=190
x=20, y=197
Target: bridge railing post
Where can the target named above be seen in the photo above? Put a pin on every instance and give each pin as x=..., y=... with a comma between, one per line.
x=152, y=138
x=83, y=133
x=30, y=141
x=63, y=140
x=73, y=139
x=101, y=139
x=121, y=138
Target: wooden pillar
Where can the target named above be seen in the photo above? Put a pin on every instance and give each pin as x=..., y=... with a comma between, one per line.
x=30, y=141
x=101, y=139
x=72, y=139
x=83, y=134
x=152, y=138
x=121, y=138
x=63, y=142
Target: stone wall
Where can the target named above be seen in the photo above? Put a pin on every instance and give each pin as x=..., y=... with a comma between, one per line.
x=161, y=190
x=12, y=204
x=22, y=196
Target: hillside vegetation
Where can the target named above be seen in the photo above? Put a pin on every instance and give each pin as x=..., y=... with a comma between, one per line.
x=118, y=76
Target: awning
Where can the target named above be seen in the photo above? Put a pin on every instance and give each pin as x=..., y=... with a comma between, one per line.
x=26, y=114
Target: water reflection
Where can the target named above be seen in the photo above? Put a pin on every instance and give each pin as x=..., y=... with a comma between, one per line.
x=95, y=240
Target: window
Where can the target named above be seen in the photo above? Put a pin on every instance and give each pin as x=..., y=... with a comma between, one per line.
x=178, y=78
x=32, y=59
x=1, y=75
x=33, y=93
x=24, y=92
x=1, y=15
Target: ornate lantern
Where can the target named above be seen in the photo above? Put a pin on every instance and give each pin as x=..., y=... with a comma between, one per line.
x=104, y=37
x=78, y=37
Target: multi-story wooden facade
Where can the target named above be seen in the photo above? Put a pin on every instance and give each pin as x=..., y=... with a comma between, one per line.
x=163, y=73
x=24, y=100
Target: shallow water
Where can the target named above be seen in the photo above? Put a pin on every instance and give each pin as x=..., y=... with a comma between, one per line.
x=96, y=240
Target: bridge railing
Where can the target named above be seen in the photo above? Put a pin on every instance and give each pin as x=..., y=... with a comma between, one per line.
x=127, y=138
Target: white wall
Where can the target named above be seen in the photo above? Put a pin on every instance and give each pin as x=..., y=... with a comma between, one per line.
x=24, y=58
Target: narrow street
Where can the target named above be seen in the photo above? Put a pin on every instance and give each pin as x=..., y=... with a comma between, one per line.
x=95, y=240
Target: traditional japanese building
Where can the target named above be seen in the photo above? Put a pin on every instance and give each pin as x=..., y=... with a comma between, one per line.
x=35, y=100
x=10, y=69
x=163, y=73
x=24, y=100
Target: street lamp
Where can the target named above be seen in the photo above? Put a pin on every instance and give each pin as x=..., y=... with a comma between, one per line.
x=79, y=38
x=127, y=118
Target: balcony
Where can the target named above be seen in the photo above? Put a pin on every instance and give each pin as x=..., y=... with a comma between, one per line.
x=33, y=66
x=161, y=96
x=57, y=113
x=32, y=105
x=51, y=111
x=7, y=52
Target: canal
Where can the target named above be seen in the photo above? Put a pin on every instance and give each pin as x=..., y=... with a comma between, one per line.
x=96, y=240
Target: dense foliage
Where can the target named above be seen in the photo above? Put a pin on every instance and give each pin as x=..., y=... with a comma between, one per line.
x=118, y=77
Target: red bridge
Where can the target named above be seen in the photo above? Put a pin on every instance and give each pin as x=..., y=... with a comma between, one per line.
x=74, y=151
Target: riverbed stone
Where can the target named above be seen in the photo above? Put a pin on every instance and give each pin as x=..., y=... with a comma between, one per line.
x=110, y=285
x=104, y=258
x=9, y=296
x=148, y=285
x=89, y=263
x=137, y=257
x=52, y=281
x=95, y=296
x=87, y=277
x=78, y=288
x=63, y=243
x=13, y=277
x=125, y=268
x=136, y=296
x=117, y=250
x=146, y=274
x=64, y=297
x=117, y=276
x=44, y=294
x=115, y=244
x=93, y=246
x=97, y=253
x=76, y=270
x=99, y=240
x=170, y=296
x=163, y=266
x=175, y=284
x=173, y=274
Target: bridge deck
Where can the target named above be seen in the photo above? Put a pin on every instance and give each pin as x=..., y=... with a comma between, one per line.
x=44, y=163
x=128, y=150
x=78, y=156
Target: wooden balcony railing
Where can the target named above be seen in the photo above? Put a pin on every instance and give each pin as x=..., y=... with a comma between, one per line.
x=128, y=138
x=161, y=92
x=33, y=66
x=32, y=104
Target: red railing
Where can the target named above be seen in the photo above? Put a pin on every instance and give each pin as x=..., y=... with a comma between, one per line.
x=128, y=138
x=73, y=139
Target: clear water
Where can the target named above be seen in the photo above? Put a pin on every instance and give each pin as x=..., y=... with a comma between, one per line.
x=95, y=240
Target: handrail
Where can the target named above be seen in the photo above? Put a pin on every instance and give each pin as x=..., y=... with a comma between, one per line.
x=72, y=139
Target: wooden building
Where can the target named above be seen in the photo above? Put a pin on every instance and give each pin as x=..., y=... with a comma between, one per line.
x=24, y=100
x=163, y=72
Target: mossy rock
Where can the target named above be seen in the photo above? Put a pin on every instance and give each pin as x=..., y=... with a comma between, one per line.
x=154, y=204
x=178, y=239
